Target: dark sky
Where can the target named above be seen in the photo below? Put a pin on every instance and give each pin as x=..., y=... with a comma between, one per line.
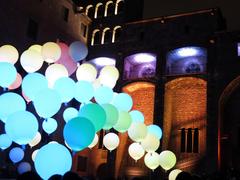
x=230, y=9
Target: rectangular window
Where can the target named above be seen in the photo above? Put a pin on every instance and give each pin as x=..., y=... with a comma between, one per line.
x=196, y=140
x=189, y=140
x=183, y=140
x=32, y=29
x=65, y=13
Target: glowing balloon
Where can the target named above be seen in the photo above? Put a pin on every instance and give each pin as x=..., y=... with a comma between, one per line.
x=84, y=91
x=103, y=95
x=136, y=151
x=32, y=84
x=167, y=160
x=66, y=88
x=36, y=47
x=66, y=60
x=9, y=72
x=35, y=140
x=8, y=54
x=24, y=167
x=107, y=81
x=94, y=142
x=124, y=122
x=78, y=51
x=16, y=154
x=47, y=103
x=137, y=116
x=31, y=61
x=95, y=113
x=96, y=83
x=111, y=141
x=49, y=125
x=9, y=104
x=150, y=143
x=55, y=72
x=34, y=154
x=111, y=116
x=69, y=113
x=5, y=141
x=17, y=83
x=109, y=72
x=86, y=72
x=78, y=133
x=152, y=160
x=51, y=159
x=137, y=131
x=123, y=102
x=21, y=127
x=173, y=174
x=51, y=52
x=156, y=130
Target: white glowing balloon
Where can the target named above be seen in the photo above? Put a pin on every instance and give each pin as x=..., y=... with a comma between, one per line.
x=136, y=151
x=152, y=160
x=51, y=52
x=109, y=71
x=150, y=143
x=86, y=72
x=111, y=141
x=34, y=154
x=31, y=60
x=96, y=83
x=35, y=140
x=94, y=142
x=137, y=131
x=55, y=72
x=108, y=81
x=173, y=174
x=36, y=47
x=8, y=53
x=167, y=159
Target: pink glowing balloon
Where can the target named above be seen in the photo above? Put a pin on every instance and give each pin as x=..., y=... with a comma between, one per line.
x=66, y=60
x=16, y=83
x=26, y=98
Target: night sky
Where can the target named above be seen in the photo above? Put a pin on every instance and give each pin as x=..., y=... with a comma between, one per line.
x=230, y=9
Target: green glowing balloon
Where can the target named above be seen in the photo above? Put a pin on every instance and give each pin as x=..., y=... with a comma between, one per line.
x=111, y=116
x=124, y=122
x=167, y=159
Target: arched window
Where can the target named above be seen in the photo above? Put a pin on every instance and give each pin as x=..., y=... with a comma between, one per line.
x=119, y=7
x=99, y=10
x=89, y=11
x=186, y=60
x=106, y=36
x=140, y=65
x=95, y=37
x=109, y=9
x=116, y=34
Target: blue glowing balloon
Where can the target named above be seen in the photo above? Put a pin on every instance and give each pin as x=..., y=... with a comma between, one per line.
x=5, y=141
x=111, y=116
x=8, y=74
x=95, y=113
x=123, y=102
x=156, y=130
x=33, y=83
x=78, y=133
x=66, y=88
x=49, y=125
x=10, y=103
x=21, y=127
x=78, y=51
x=69, y=113
x=84, y=91
x=24, y=167
x=16, y=154
x=52, y=159
x=47, y=103
x=103, y=95
x=137, y=116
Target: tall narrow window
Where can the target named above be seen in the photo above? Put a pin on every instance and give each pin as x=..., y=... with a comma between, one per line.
x=83, y=30
x=189, y=140
x=183, y=140
x=90, y=11
x=196, y=140
x=116, y=34
x=96, y=37
x=99, y=11
x=65, y=13
x=32, y=30
x=100, y=144
x=106, y=36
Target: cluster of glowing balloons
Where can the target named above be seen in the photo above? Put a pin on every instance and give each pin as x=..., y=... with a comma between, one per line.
x=100, y=109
